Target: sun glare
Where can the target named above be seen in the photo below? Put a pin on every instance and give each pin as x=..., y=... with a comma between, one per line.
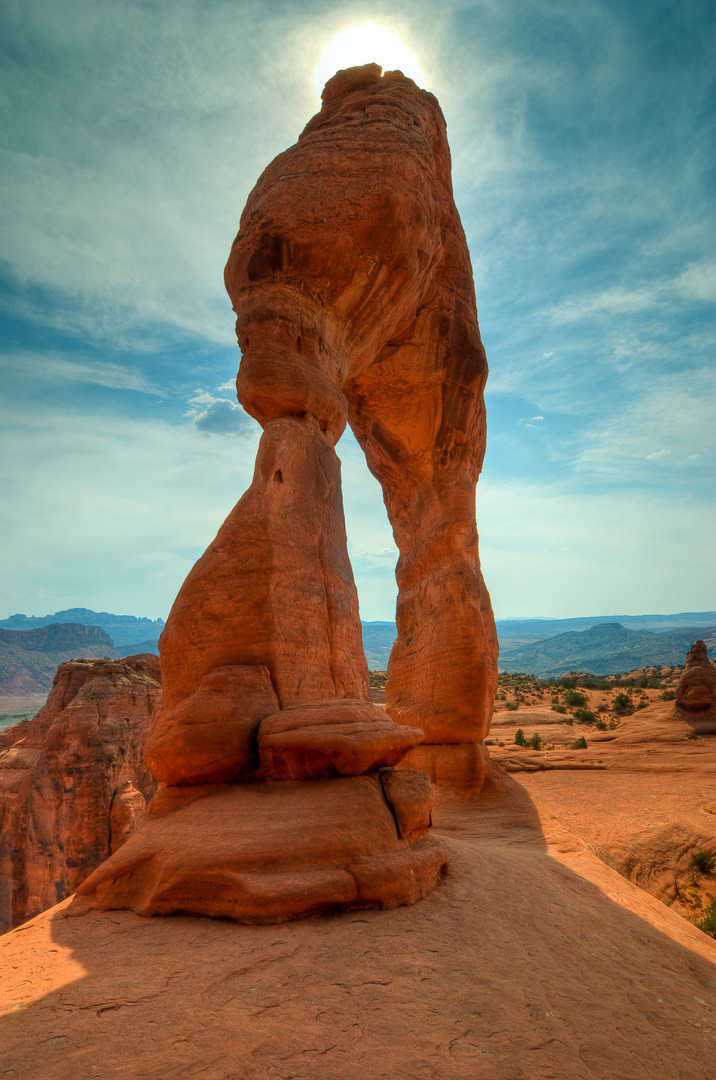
x=366, y=44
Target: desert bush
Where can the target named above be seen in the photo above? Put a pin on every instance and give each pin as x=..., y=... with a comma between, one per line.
x=535, y=742
x=580, y=744
x=520, y=738
x=574, y=697
x=622, y=705
x=558, y=708
x=668, y=695
x=584, y=716
x=512, y=706
x=707, y=922
x=601, y=725
x=703, y=861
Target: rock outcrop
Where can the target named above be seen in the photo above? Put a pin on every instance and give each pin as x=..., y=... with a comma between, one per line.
x=352, y=285
x=67, y=794
x=696, y=691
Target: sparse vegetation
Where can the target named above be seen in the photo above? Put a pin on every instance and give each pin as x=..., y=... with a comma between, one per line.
x=558, y=708
x=580, y=744
x=707, y=922
x=520, y=738
x=535, y=742
x=623, y=705
x=703, y=861
x=669, y=695
x=574, y=698
x=584, y=716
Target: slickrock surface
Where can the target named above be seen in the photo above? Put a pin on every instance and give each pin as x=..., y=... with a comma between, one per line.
x=532, y=959
x=61, y=773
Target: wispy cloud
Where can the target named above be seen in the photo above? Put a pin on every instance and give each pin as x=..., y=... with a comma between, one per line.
x=59, y=368
x=670, y=424
x=696, y=283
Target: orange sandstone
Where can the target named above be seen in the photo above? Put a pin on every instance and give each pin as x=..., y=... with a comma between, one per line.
x=351, y=281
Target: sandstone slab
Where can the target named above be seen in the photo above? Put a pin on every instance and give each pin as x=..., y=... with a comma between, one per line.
x=332, y=738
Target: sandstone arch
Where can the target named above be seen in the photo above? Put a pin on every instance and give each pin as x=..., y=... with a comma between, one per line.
x=351, y=281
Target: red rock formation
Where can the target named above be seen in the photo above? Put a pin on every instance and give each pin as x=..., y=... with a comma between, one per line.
x=351, y=280
x=64, y=774
x=352, y=285
x=696, y=692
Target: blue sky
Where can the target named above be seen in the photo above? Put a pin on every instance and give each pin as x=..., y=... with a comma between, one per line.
x=583, y=157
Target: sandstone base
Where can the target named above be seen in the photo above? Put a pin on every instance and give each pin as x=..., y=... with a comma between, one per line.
x=267, y=853
x=458, y=765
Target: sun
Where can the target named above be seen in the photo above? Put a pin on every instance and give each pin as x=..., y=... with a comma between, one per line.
x=366, y=44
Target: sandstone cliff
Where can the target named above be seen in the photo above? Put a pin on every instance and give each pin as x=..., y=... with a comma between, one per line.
x=60, y=773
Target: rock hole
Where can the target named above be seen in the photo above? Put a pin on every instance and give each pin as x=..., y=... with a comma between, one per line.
x=298, y=344
x=278, y=476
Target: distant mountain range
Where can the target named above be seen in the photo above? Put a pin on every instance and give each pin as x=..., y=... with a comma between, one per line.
x=548, y=647
x=606, y=649
x=514, y=634
x=29, y=658
x=123, y=629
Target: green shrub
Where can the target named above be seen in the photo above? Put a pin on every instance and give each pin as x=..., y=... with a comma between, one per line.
x=580, y=744
x=669, y=695
x=512, y=706
x=707, y=922
x=535, y=742
x=574, y=697
x=601, y=725
x=558, y=708
x=703, y=861
x=623, y=705
x=520, y=738
x=584, y=716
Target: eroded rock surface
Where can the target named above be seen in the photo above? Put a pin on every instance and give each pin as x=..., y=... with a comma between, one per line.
x=64, y=800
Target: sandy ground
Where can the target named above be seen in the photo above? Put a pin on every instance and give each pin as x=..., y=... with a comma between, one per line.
x=533, y=959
